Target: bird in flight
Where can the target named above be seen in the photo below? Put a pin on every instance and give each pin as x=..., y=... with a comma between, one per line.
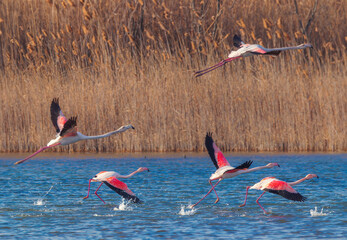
x=247, y=50
x=284, y=189
x=224, y=170
x=111, y=180
x=67, y=130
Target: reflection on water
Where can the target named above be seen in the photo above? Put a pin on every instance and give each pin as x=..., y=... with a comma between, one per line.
x=43, y=198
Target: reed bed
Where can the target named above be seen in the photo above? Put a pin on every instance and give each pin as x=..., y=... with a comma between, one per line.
x=118, y=62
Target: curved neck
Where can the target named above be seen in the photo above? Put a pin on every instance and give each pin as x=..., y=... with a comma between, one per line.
x=130, y=175
x=297, y=182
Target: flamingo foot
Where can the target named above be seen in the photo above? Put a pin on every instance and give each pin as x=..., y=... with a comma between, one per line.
x=191, y=206
x=216, y=200
x=242, y=205
x=85, y=197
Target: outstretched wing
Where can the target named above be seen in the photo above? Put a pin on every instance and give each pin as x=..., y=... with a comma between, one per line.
x=57, y=116
x=245, y=165
x=285, y=190
x=69, y=128
x=121, y=188
x=237, y=41
x=275, y=53
x=215, y=153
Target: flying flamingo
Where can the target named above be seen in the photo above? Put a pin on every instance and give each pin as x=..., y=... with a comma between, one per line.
x=224, y=170
x=246, y=50
x=273, y=185
x=111, y=180
x=67, y=130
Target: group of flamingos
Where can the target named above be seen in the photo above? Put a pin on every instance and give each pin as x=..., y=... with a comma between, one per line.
x=67, y=134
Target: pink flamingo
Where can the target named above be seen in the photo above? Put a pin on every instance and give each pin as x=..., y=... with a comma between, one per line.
x=246, y=50
x=224, y=170
x=111, y=180
x=67, y=130
x=273, y=185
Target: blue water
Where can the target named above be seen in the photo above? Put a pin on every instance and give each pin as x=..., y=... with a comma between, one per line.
x=42, y=199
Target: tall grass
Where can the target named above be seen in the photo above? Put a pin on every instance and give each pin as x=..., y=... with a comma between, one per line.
x=120, y=62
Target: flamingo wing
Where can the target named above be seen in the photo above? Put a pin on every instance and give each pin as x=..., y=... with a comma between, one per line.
x=57, y=116
x=215, y=153
x=243, y=166
x=69, y=128
x=283, y=189
x=237, y=41
x=275, y=52
x=121, y=188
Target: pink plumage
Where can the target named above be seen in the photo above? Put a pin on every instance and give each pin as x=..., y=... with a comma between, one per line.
x=224, y=170
x=282, y=188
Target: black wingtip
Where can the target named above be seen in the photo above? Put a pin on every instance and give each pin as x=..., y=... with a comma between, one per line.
x=244, y=165
x=237, y=41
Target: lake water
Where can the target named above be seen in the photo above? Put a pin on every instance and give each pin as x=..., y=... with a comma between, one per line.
x=42, y=198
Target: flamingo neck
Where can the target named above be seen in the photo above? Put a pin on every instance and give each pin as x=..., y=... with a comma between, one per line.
x=302, y=46
x=297, y=182
x=119, y=130
x=256, y=169
x=128, y=176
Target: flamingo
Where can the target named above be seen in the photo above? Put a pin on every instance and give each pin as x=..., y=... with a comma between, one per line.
x=224, y=170
x=273, y=185
x=247, y=50
x=111, y=180
x=67, y=130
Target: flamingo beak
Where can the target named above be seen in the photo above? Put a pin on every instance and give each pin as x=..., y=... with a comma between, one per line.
x=317, y=176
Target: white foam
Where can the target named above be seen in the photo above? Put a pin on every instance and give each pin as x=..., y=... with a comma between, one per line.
x=124, y=206
x=39, y=202
x=315, y=213
x=106, y=215
x=187, y=212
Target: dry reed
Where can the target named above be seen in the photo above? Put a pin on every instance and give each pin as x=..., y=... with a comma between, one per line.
x=120, y=62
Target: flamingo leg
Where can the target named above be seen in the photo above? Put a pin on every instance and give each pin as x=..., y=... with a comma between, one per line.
x=37, y=152
x=88, y=189
x=217, y=200
x=97, y=193
x=206, y=194
x=207, y=70
x=259, y=203
x=242, y=205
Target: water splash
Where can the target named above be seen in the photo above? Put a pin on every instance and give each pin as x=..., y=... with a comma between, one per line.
x=315, y=213
x=40, y=201
x=124, y=206
x=187, y=212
